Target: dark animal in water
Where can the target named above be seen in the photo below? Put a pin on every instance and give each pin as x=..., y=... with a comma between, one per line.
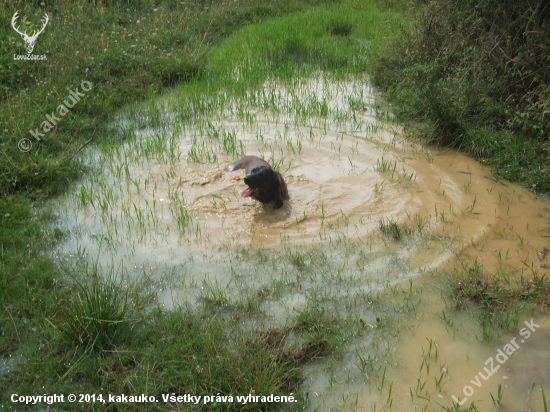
x=264, y=184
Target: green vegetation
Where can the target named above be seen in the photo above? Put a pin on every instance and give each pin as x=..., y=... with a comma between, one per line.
x=498, y=301
x=391, y=229
x=67, y=328
x=474, y=75
x=129, y=52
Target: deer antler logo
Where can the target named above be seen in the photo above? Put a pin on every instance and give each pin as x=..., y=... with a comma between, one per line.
x=30, y=40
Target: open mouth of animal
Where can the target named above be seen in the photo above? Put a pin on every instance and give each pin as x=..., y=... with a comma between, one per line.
x=247, y=192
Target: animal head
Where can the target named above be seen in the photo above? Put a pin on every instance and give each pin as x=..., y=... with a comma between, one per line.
x=264, y=185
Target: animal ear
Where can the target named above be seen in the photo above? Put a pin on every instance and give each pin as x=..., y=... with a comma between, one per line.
x=277, y=189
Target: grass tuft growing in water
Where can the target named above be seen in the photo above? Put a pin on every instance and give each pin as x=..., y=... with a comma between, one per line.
x=391, y=229
x=493, y=297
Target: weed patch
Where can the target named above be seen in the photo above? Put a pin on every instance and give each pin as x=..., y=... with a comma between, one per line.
x=471, y=75
x=98, y=316
x=497, y=301
x=391, y=229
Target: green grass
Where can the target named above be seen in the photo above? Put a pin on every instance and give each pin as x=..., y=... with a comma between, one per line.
x=494, y=299
x=98, y=316
x=413, y=225
x=68, y=329
x=390, y=229
x=452, y=80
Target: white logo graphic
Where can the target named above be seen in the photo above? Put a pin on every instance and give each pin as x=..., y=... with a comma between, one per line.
x=30, y=40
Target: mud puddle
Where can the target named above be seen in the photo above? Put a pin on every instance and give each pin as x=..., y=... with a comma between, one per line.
x=161, y=207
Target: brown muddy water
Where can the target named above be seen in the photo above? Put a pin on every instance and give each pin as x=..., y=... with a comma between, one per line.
x=160, y=208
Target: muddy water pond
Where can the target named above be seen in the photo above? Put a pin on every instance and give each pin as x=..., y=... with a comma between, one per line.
x=369, y=212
